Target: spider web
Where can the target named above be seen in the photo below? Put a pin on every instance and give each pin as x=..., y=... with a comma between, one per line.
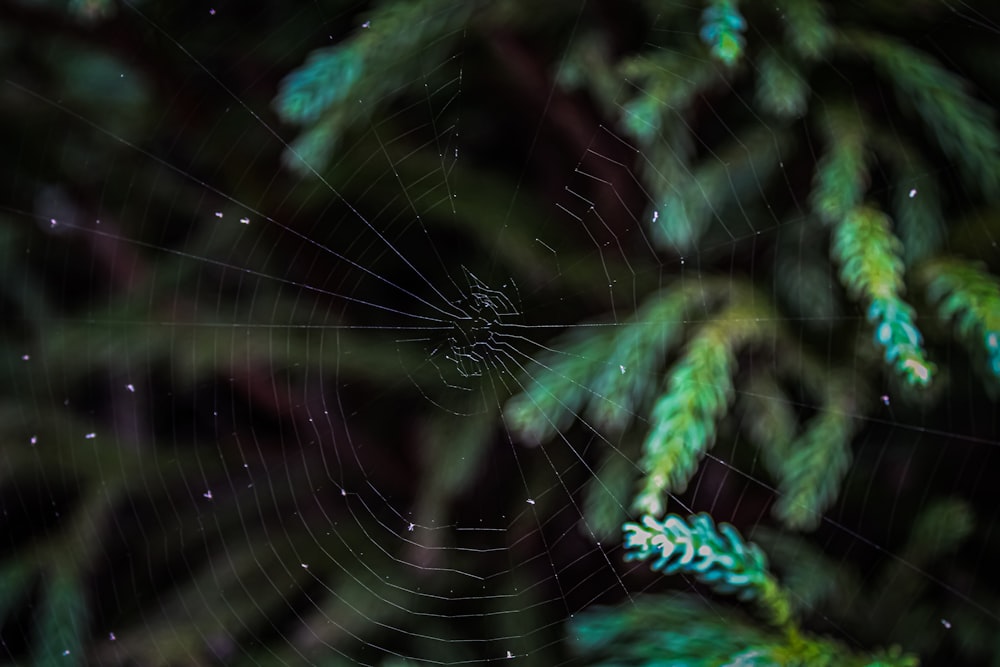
x=258, y=417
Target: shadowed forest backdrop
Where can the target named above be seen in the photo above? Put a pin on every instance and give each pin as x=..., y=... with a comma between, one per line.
x=437, y=332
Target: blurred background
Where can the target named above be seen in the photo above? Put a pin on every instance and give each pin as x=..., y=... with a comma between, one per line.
x=270, y=275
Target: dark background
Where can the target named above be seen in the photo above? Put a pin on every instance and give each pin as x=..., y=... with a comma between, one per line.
x=248, y=362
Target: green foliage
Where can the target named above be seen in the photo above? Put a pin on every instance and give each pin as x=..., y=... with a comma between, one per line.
x=842, y=173
x=806, y=28
x=62, y=623
x=705, y=162
x=815, y=581
x=610, y=369
x=813, y=465
x=916, y=200
x=668, y=84
x=550, y=399
x=781, y=88
x=623, y=388
x=684, y=630
x=722, y=28
x=871, y=268
x=806, y=284
x=962, y=126
x=717, y=557
x=339, y=86
x=606, y=497
x=769, y=419
x=970, y=296
x=893, y=601
x=683, y=420
x=326, y=78
x=697, y=198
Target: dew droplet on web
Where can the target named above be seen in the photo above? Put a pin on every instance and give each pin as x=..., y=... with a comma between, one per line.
x=212, y=11
x=52, y=222
x=111, y=636
x=913, y=193
x=530, y=501
x=946, y=623
x=305, y=566
x=66, y=652
x=621, y=368
x=25, y=357
x=130, y=387
x=366, y=24
x=656, y=216
x=207, y=494
x=245, y=221
x=885, y=399
x=90, y=436
x=509, y=654
x=218, y=214
x=34, y=440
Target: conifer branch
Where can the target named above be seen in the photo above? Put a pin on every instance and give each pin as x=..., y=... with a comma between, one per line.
x=916, y=200
x=769, y=420
x=719, y=558
x=683, y=630
x=683, y=420
x=968, y=294
x=551, y=398
x=606, y=497
x=668, y=83
x=722, y=28
x=370, y=67
x=842, y=173
x=816, y=462
x=781, y=89
x=807, y=29
x=696, y=198
x=624, y=386
x=871, y=269
x=963, y=126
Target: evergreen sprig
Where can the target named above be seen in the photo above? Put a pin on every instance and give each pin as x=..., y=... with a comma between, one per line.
x=338, y=86
x=736, y=173
x=963, y=126
x=968, y=294
x=554, y=394
x=607, y=494
x=683, y=420
x=683, y=631
x=842, y=173
x=807, y=29
x=668, y=82
x=871, y=268
x=607, y=369
x=781, y=89
x=722, y=28
x=815, y=464
x=717, y=557
x=916, y=200
x=624, y=387
x=768, y=417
